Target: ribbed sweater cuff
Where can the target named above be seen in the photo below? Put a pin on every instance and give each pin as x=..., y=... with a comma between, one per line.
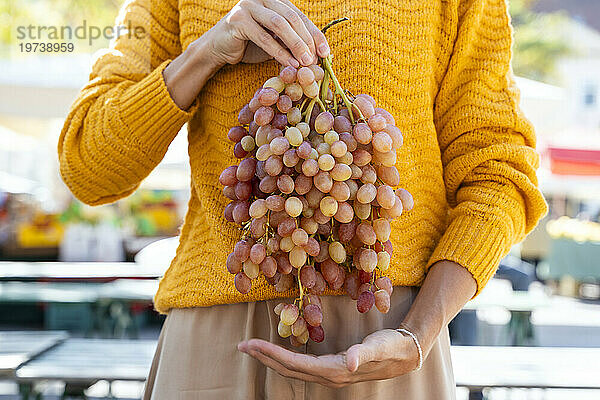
x=150, y=114
x=476, y=244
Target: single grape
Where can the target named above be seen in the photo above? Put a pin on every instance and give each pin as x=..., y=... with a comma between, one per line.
x=312, y=247
x=286, y=226
x=268, y=96
x=366, y=233
x=342, y=124
x=294, y=91
x=395, y=134
x=364, y=276
x=299, y=237
x=362, y=211
x=303, y=184
x=361, y=157
x=369, y=175
x=364, y=105
x=351, y=284
x=304, y=150
x=284, y=330
x=382, y=229
x=294, y=116
x=273, y=244
x=242, y=283
x=320, y=286
x=318, y=71
x=313, y=314
x=383, y=260
x=312, y=90
x=258, y=208
x=406, y=198
x=229, y=176
x=324, y=122
x=331, y=137
x=288, y=74
x=353, y=186
x=275, y=83
x=340, y=191
x=285, y=183
x=278, y=308
x=289, y=314
x=362, y=133
x=273, y=165
x=300, y=326
x=263, y=116
x=258, y=252
x=382, y=142
x=297, y=257
x=305, y=76
x=337, y=252
x=389, y=175
x=328, y=206
x=316, y=333
x=323, y=148
x=382, y=301
x=268, y=184
x=339, y=280
x=263, y=152
x=365, y=302
x=341, y=172
x=279, y=121
x=279, y=145
x=383, y=282
x=368, y=260
x=293, y=206
x=324, y=229
x=308, y=276
x=284, y=103
x=286, y=244
x=228, y=212
x=251, y=269
x=368, y=97
x=323, y=181
x=275, y=203
x=294, y=136
x=330, y=270
x=243, y=190
x=377, y=123
x=268, y=267
x=283, y=265
x=240, y=212
x=245, y=116
x=236, y=134
x=346, y=231
x=310, y=167
x=257, y=227
x=234, y=265
x=326, y=162
x=285, y=283
x=386, y=197
x=339, y=149
x=366, y=193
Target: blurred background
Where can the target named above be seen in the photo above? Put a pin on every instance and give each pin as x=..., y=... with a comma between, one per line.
x=76, y=282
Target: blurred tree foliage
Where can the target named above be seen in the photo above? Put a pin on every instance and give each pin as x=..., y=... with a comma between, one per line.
x=539, y=41
x=15, y=13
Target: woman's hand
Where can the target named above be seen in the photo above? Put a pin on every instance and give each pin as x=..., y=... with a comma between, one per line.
x=382, y=355
x=253, y=31
x=258, y=30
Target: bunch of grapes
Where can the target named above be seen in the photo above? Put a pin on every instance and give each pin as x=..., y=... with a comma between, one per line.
x=314, y=195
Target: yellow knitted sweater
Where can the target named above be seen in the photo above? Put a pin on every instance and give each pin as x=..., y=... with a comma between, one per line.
x=441, y=67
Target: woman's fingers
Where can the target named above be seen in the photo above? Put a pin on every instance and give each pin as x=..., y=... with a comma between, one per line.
x=295, y=21
x=277, y=24
x=254, y=32
x=321, y=44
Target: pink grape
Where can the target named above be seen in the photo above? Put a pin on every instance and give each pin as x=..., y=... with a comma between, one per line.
x=242, y=283
x=313, y=314
x=365, y=301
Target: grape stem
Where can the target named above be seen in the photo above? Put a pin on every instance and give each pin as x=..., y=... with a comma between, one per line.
x=309, y=109
x=301, y=298
x=320, y=103
x=338, y=88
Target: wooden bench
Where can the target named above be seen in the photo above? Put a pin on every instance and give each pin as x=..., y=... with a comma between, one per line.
x=18, y=347
x=479, y=367
x=80, y=363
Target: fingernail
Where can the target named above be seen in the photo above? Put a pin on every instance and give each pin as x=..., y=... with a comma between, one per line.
x=324, y=49
x=241, y=346
x=294, y=63
x=306, y=58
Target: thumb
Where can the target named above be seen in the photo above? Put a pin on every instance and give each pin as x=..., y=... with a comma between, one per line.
x=358, y=355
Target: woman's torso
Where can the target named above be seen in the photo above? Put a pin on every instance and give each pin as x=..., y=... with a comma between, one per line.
x=397, y=51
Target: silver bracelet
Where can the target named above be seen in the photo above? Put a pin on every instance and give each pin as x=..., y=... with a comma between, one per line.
x=414, y=338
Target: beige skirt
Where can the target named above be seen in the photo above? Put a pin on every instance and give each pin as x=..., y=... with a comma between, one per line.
x=197, y=358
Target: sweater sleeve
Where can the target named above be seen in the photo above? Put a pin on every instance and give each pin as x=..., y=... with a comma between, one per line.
x=487, y=146
x=121, y=124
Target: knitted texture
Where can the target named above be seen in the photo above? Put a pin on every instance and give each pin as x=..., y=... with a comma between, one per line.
x=440, y=67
